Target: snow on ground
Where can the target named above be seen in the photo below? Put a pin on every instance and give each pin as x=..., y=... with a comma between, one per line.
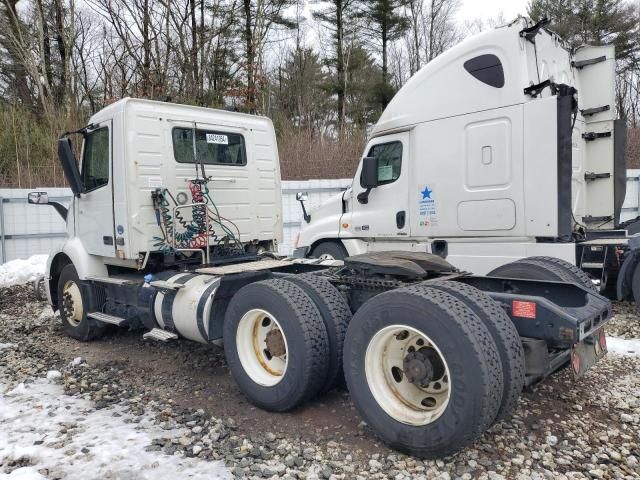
x=623, y=346
x=37, y=419
x=20, y=271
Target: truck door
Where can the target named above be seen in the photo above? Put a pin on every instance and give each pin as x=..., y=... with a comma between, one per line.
x=95, y=206
x=385, y=212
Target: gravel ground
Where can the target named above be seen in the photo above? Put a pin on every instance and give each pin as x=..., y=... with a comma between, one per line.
x=561, y=429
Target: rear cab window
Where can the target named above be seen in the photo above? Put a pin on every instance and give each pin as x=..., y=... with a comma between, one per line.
x=213, y=147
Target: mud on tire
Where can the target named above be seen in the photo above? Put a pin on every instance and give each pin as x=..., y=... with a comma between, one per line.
x=305, y=338
x=470, y=356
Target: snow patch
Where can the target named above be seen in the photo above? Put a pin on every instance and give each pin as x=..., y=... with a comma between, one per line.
x=623, y=346
x=108, y=443
x=17, y=272
x=53, y=375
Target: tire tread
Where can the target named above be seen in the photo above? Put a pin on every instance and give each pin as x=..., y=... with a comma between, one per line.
x=504, y=334
x=328, y=298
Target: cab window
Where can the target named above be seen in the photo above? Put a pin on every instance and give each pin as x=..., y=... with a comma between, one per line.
x=212, y=147
x=389, y=156
x=95, y=159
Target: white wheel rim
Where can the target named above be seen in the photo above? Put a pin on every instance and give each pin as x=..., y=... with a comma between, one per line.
x=412, y=403
x=72, y=302
x=253, y=350
x=326, y=256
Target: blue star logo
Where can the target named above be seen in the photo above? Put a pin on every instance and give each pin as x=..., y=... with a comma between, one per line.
x=426, y=193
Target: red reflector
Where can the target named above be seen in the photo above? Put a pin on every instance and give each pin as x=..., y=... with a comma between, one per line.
x=603, y=340
x=524, y=309
x=575, y=362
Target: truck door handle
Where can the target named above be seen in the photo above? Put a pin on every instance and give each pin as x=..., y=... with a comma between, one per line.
x=400, y=219
x=107, y=240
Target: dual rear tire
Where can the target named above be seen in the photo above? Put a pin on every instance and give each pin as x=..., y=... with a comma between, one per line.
x=284, y=338
x=429, y=367
x=425, y=368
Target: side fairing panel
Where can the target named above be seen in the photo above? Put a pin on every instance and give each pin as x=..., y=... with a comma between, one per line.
x=469, y=175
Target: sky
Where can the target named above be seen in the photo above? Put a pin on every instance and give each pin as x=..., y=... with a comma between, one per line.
x=487, y=9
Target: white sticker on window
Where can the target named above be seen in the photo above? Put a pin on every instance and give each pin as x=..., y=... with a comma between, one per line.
x=216, y=138
x=385, y=173
x=155, y=182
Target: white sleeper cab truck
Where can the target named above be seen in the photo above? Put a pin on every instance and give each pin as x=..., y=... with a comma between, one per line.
x=175, y=216
x=504, y=147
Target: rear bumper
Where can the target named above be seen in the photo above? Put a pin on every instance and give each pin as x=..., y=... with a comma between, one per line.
x=559, y=313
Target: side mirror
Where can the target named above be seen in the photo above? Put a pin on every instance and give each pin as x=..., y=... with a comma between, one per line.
x=302, y=197
x=369, y=176
x=42, y=198
x=38, y=198
x=69, y=165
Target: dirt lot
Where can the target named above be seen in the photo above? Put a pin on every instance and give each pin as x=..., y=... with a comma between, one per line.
x=562, y=429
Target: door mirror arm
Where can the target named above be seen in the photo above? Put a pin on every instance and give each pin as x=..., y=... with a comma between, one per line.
x=302, y=197
x=42, y=198
x=363, y=197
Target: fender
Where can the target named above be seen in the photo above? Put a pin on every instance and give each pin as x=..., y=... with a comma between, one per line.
x=624, y=284
x=354, y=246
x=71, y=251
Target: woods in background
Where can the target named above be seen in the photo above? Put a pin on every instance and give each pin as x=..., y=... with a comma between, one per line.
x=322, y=70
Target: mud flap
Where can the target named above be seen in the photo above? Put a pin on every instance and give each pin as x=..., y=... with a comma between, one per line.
x=586, y=354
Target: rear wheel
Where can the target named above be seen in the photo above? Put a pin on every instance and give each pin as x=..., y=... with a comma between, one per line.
x=336, y=315
x=329, y=251
x=579, y=276
x=504, y=334
x=423, y=370
x=276, y=344
x=73, y=308
x=543, y=268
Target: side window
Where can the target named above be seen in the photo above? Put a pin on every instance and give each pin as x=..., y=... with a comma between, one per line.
x=486, y=68
x=389, y=157
x=212, y=147
x=95, y=160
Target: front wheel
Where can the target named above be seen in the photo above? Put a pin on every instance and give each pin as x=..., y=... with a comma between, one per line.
x=329, y=251
x=74, y=309
x=423, y=370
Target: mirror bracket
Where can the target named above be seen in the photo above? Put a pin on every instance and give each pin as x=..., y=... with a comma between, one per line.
x=301, y=197
x=42, y=198
x=363, y=197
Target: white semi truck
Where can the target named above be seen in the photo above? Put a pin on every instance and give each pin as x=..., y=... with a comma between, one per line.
x=506, y=146
x=175, y=215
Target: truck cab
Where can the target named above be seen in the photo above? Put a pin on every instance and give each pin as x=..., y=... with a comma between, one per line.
x=134, y=149
x=503, y=147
